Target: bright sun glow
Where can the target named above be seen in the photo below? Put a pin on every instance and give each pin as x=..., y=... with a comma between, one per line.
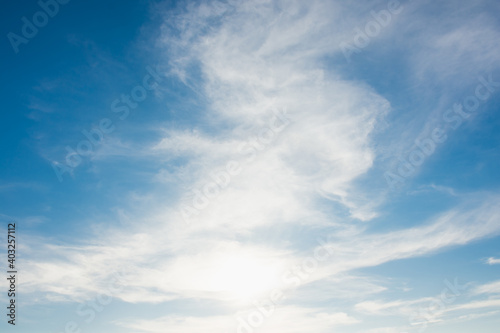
x=244, y=277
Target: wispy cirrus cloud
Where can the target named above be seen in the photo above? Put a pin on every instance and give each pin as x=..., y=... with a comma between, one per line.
x=248, y=59
x=319, y=320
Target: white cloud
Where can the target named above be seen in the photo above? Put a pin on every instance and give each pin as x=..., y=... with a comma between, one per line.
x=255, y=56
x=489, y=288
x=288, y=319
x=493, y=261
x=247, y=70
x=454, y=304
x=324, y=149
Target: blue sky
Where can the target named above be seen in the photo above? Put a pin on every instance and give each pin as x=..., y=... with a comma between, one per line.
x=257, y=166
